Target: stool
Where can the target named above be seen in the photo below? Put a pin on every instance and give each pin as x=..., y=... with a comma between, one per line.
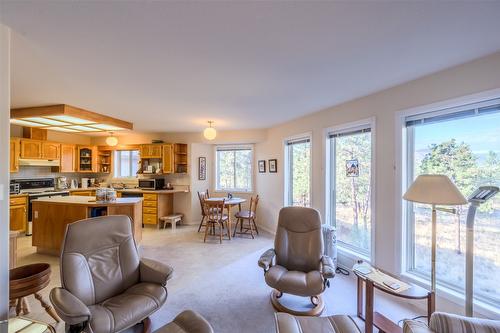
x=172, y=219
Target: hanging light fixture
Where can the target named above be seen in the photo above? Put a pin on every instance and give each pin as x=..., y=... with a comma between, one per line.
x=210, y=133
x=111, y=140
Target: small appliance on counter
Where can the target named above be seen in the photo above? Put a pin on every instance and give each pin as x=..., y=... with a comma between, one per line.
x=61, y=183
x=85, y=182
x=152, y=184
x=74, y=183
x=14, y=188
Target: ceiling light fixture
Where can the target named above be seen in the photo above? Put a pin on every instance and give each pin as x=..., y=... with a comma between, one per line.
x=210, y=133
x=111, y=140
x=67, y=118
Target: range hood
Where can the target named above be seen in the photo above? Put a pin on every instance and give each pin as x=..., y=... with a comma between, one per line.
x=36, y=162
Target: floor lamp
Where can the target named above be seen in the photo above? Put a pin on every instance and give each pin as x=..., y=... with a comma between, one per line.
x=478, y=197
x=434, y=190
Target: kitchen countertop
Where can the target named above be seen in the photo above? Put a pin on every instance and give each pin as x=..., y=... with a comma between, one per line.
x=89, y=201
x=18, y=195
x=132, y=190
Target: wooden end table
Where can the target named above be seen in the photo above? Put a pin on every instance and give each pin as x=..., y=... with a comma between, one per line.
x=373, y=318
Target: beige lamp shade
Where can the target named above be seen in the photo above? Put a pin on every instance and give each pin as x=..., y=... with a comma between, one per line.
x=435, y=190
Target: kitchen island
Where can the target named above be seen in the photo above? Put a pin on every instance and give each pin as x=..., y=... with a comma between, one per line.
x=51, y=215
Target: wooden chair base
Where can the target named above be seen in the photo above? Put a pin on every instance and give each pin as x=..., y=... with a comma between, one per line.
x=317, y=301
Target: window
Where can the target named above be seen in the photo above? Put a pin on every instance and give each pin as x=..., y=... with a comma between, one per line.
x=350, y=187
x=126, y=163
x=463, y=143
x=234, y=168
x=298, y=172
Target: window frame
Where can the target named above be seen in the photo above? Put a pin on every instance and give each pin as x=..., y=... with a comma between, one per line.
x=287, y=193
x=329, y=175
x=116, y=163
x=401, y=207
x=217, y=167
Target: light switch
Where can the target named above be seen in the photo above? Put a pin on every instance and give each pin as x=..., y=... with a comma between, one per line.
x=1, y=192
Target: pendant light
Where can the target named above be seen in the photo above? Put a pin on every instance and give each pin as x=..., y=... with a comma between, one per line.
x=111, y=140
x=210, y=133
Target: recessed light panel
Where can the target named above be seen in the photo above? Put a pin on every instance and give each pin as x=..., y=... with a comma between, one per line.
x=72, y=120
x=63, y=129
x=46, y=121
x=106, y=127
x=84, y=128
x=26, y=123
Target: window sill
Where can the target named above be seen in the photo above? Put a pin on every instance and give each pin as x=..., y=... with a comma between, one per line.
x=233, y=192
x=351, y=256
x=480, y=307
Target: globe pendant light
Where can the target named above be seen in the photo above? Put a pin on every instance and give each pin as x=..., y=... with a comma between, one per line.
x=210, y=133
x=111, y=140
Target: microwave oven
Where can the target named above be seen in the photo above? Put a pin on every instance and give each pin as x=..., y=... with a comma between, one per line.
x=152, y=184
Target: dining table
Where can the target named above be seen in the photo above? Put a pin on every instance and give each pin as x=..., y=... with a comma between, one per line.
x=229, y=203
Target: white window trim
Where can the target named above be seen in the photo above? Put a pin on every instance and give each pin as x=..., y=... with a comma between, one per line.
x=371, y=122
x=115, y=178
x=400, y=211
x=286, y=171
x=216, y=169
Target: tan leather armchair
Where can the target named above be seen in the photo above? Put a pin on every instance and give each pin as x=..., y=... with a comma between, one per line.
x=450, y=323
x=106, y=287
x=297, y=265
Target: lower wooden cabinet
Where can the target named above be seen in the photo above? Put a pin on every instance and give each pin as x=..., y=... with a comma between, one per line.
x=155, y=206
x=18, y=213
x=83, y=193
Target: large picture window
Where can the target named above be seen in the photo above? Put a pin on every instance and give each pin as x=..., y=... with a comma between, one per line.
x=298, y=172
x=464, y=144
x=126, y=163
x=350, y=187
x=234, y=168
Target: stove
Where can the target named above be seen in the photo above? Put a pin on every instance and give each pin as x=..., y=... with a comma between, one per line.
x=37, y=188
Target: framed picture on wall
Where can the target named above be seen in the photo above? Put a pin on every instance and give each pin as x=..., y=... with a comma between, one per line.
x=273, y=165
x=262, y=166
x=202, y=168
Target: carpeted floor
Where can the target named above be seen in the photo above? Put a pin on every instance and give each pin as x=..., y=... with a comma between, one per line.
x=222, y=282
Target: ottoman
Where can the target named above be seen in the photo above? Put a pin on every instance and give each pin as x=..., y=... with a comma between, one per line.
x=187, y=322
x=286, y=323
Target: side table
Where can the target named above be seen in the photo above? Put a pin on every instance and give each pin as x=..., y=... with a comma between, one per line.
x=373, y=318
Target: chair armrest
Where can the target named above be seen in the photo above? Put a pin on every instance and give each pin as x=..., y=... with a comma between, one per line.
x=415, y=326
x=447, y=322
x=266, y=259
x=155, y=272
x=71, y=310
x=327, y=267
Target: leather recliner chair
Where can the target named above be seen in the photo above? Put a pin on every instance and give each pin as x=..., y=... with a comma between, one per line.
x=297, y=265
x=106, y=287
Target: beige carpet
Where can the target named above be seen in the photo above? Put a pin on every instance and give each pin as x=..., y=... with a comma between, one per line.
x=222, y=282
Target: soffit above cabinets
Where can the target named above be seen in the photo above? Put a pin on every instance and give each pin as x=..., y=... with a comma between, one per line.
x=66, y=118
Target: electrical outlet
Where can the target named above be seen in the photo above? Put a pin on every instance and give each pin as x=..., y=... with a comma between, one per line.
x=36, y=214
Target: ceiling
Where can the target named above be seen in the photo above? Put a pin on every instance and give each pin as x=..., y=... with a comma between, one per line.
x=171, y=66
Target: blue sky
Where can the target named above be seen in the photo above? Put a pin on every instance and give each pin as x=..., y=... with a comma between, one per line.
x=481, y=133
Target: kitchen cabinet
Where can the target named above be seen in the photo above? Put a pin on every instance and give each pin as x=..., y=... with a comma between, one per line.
x=85, y=193
x=155, y=206
x=104, y=162
x=87, y=158
x=68, y=158
x=180, y=158
x=31, y=149
x=151, y=151
x=14, y=155
x=168, y=158
x=18, y=213
x=51, y=150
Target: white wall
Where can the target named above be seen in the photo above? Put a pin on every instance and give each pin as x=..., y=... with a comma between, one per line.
x=477, y=76
x=4, y=173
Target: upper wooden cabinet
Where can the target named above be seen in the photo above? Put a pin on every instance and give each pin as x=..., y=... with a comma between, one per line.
x=51, y=151
x=87, y=158
x=168, y=158
x=31, y=149
x=151, y=151
x=68, y=158
x=15, y=146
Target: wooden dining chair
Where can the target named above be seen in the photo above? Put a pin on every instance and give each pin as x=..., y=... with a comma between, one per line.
x=202, y=196
x=216, y=218
x=248, y=216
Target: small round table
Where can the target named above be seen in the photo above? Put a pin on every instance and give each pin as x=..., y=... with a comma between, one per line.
x=29, y=280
